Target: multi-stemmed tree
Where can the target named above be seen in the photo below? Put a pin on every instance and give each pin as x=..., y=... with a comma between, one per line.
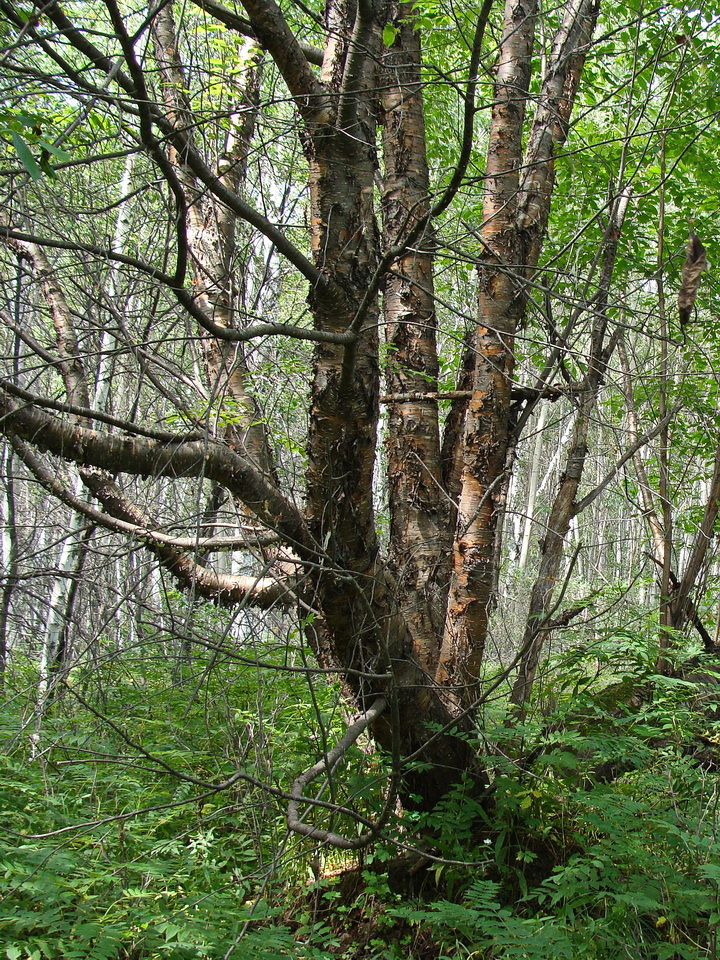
x=173, y=308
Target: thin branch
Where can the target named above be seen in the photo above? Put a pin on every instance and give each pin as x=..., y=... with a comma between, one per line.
x=628, y=455
x=29, y=341
x=326, y=764
x=190, y=155
x=233, y=20
x=185, y=297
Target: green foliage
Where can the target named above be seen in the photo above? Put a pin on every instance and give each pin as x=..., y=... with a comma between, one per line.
x=599, y=832
x=108, y=853
x=602, y=836
x=25, y=133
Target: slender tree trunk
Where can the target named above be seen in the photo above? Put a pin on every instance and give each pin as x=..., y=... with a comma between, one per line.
x=646, y=493
x=532, y=487
x=564, y=508
x=56, y=640
x=11, y=554
x=666, y=610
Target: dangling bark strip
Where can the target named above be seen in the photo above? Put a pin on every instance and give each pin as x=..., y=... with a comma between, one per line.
x=692, y=270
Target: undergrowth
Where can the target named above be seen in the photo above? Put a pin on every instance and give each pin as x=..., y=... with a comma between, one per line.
x=597, y=837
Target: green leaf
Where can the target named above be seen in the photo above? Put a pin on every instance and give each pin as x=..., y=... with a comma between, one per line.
x=389, y=34
x=55, y=151
x=26, y=157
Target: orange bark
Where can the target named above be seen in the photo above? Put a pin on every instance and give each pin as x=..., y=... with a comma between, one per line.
x=501, y=306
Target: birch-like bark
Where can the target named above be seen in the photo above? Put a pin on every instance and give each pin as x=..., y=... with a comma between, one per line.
x=681, y=607
x=419, y=536
x=487, y=419
x=362, y=627
x=646, y=494
x=515, y=216
x=70, y=559
x=55, y=647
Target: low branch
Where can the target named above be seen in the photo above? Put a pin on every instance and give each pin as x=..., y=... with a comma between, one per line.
x=690, y=610
x=143, y=457
x=261, y=592
x=140, y=532
x=681, y=603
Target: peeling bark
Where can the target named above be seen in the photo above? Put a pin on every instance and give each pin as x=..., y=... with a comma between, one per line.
x=515, y=216
x=487, y=418
x=419, y=506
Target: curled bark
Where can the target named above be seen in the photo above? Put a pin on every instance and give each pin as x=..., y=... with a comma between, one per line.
x=695, y=265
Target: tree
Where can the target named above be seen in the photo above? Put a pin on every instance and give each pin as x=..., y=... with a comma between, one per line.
x=189, y=305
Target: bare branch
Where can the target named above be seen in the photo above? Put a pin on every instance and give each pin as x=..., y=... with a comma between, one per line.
x=185, y=297
x=326, y=765
x=233, y=20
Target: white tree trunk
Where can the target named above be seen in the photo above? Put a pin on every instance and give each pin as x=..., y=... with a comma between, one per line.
x=533, y=486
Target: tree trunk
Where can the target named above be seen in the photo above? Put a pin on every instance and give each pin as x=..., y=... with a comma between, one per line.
x=487, y=418
x=515, y=216
x=419, y=505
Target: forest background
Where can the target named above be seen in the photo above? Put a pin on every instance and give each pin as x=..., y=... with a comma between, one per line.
x=360, y=479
